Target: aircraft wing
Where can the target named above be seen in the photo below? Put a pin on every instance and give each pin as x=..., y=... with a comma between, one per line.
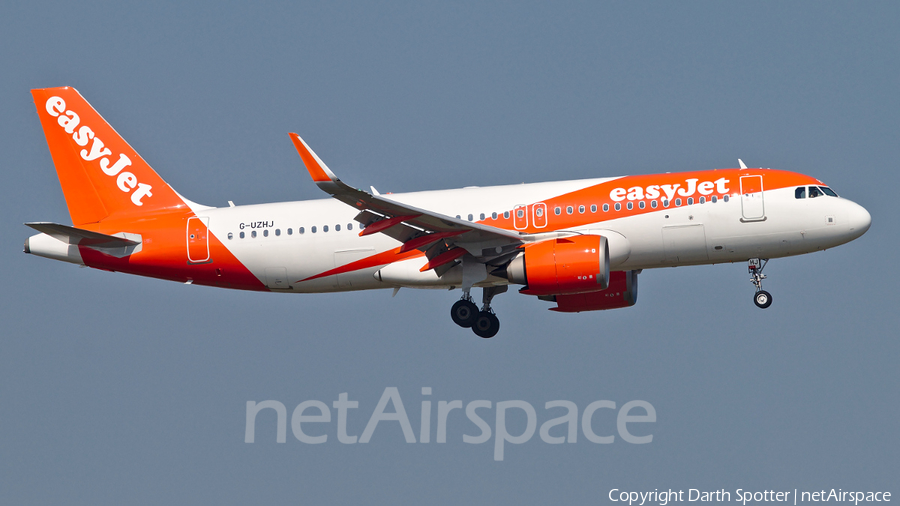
x=413, y=226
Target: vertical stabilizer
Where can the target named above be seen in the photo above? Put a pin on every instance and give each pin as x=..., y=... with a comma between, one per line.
x=100, y=174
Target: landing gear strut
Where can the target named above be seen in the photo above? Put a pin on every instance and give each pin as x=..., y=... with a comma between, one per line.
x=755, y=266
x=466, y=314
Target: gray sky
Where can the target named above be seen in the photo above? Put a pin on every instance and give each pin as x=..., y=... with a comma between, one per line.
x=118, y=389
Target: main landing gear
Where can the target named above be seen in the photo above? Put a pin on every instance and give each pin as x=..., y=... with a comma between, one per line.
x=755, y=266
x=483, y=323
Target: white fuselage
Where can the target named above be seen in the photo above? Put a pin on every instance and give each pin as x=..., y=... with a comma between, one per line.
x=686, y=235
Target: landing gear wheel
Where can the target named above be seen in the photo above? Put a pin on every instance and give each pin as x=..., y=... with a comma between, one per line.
x=486, y=325
x=464, y=313
x=755, y=266
x=762, y=299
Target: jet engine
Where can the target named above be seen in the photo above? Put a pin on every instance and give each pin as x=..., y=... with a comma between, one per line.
x=569, y=265
x=622, y=292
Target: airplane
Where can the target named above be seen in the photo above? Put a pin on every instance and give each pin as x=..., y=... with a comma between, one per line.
x=577, y=244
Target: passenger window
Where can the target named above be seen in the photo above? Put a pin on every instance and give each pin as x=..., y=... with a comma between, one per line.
x=814, y=192
x=325, y=228
x=828, y=191
x=653, y=204
x=277, y=231
x=337, y=228
x=714, y=199
x=677, y=202
x=593, y=208
x=800, y=192
x=290, y=231
x=702, y=200
x=494, y=216
x=253, y=234
x=470, y=216
x=665, y=202
x=690, y=201
x=630, y=206
x=605, y=207
x=313, y=229
x=482, y=216
x=557, y=211
x=520, y=214
x=618, y=206
x=506, y=214
x=580, y=209
x=242, y=235
x=301, y=230
x=266, y=233
x=641, y=204
x=570, y=209
x=230, y=236
x=349, y=226
x=725, y=198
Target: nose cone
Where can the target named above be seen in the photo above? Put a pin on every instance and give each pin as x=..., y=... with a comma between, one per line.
x=858, y=220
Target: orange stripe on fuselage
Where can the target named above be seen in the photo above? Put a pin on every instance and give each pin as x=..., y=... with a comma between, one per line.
x=163, y=253
x=383, y=258
x=602, y=194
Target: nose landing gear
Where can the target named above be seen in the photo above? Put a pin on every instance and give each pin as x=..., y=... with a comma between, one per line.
x=755, y=266
x=483, y=323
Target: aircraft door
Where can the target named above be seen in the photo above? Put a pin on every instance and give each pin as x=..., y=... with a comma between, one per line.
x=197, y=240
x=276, y=278
x=685, y=244
x=520, y=217
x=539, y=211
x=752, y=205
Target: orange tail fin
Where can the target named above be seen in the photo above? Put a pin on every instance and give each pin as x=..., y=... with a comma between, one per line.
x=100, y=174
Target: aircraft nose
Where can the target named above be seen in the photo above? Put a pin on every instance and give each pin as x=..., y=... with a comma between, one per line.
x=859, y=219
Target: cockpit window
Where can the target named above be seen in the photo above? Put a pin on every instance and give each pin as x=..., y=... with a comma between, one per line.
x=828, y=191
x=814, y=192
x=800, y=192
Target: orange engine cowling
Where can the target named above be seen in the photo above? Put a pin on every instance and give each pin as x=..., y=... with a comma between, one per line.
x=622, y=292
x=577, y=264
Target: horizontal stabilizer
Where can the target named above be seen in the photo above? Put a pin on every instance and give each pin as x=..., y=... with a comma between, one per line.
x=72, y=235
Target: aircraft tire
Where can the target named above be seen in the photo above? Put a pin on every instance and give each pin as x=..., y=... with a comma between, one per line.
x=486, y=325
x=762, y=299
x=464, y=313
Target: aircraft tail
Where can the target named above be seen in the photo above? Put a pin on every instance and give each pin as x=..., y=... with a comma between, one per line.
x=100, y=174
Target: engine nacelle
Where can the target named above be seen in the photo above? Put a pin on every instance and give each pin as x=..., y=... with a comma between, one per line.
x=622, y=292
x=577, y=264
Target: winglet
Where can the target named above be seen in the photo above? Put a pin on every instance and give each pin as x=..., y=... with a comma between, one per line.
x=319, y=172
